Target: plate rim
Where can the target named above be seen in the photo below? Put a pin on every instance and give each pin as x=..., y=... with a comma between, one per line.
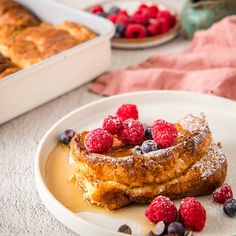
x=41, y=186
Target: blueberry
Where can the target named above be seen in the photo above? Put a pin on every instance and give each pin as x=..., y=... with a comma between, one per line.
x=137, y=150
x=176, y=228
x=125, y=229
x=120, y=30
x=149, y=146
x=113, y=10
x=66, y=136
x=230, y=207
x=148, y=131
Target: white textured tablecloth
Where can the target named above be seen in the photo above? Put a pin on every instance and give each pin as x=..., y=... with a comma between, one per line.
x=21, y=210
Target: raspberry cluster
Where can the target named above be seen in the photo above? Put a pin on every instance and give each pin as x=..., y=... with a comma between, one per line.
x=125, y=125
x=145, y=21
x=191, y=213
x=129, y=130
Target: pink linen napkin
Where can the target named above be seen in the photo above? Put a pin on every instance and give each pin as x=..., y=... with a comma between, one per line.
x=208, y=66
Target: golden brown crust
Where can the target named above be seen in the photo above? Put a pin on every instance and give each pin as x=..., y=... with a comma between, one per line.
x=18, y=16
x=6, y=5
x=167, y=171
x=13, y=19
x=37, y=43
x=78, y=31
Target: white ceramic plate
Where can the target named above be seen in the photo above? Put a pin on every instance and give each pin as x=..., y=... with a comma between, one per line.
x=170, y=105
x=131, y=6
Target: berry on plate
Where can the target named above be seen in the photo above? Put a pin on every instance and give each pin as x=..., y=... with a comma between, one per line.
x=164, y=133
x=127, y=111
x=132, y=132
x=112, y=18
x=152, y=11
x=176, y=229
x=98, y=141
x=120, y=30
x=125, y=229
x=139, y=18
x=230, y=207
x=113, y=10
x=163, y=26
x=96, y=9
x=112, y=124
x=222, y=194
x=66, y=136
x=142, y=6
x=161, y=209
x=170, y=19
x=149, y=146
x=154, y=29
x=135, y=31
x=122, y=18
x=192, y=214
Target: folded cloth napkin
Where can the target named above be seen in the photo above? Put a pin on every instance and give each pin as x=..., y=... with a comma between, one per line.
x=208, y=66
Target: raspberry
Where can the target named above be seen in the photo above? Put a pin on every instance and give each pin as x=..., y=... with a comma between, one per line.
x=222, y=194
x=152, y=11
x=122, y=19
x=112, y=124
x=127, y=111
x=96, y=9
x=135, y=31
x=132, y=132
x=163, y=25
x=123, y=12
x=142, y=6
x=192, y=214
x=170, y=19
x=98, y=141
x=164, y=133
x=112, y=18
x=161, y=209
x=154, y=29
x=139, y=18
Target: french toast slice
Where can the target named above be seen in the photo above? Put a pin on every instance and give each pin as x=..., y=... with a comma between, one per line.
x=193, y=166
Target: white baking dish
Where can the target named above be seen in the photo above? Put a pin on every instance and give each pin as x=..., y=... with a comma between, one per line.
x=50, y=78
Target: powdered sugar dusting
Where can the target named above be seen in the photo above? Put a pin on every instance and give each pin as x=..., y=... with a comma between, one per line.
x=210, y=163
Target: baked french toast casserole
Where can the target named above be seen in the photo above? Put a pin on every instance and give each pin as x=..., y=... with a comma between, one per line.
x=26, y=40
x=194, y=165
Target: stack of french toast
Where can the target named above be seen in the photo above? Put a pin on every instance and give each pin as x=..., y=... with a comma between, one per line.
x=193, y=165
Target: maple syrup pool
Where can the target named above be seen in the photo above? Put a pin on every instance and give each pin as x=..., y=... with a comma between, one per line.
x=58, y=173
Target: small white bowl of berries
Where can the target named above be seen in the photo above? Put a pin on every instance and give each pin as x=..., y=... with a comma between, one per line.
x=139, y=24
